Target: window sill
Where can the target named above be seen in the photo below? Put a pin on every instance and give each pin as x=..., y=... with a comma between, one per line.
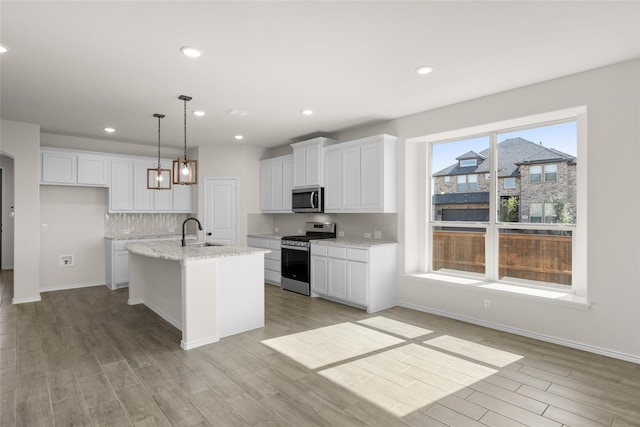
x=533, y=294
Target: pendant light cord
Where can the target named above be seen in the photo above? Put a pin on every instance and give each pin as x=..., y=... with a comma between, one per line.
x=185, y=131
x=159, y=142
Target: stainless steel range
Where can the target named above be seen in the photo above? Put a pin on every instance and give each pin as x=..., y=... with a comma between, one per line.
x=296, y=256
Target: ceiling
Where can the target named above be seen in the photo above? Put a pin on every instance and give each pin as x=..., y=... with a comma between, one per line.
x=76, y=67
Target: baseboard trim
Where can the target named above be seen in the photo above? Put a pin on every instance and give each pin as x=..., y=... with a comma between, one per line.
x=567, y=343
x=26, y=300
x=73, y=286
x=198, y=343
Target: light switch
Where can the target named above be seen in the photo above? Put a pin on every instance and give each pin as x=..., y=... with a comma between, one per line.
x=45, y=227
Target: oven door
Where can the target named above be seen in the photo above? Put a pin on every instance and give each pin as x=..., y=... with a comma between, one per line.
x=295, y=269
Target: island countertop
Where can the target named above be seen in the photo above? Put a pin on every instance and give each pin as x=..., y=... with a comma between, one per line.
x=174, y=251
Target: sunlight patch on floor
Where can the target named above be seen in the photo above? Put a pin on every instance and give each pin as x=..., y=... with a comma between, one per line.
x=479, y=352
x=320, y=347
x=395, y=327
x=405, y=379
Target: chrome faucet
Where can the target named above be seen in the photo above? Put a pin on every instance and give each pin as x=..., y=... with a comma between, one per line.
x=184, y=243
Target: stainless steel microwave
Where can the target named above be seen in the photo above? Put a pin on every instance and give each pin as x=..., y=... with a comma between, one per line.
x=307, y=200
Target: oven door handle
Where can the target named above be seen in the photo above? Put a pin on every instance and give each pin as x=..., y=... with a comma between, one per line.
x=296, y=248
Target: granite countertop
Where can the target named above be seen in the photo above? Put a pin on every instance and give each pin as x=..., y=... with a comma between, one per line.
x=367, y=243
x=174, y=251
x=266, y=235
x=117, y=236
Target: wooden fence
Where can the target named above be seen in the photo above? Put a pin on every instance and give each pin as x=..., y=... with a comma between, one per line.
x=538, y=257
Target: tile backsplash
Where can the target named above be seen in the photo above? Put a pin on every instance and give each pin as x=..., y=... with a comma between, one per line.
x=354, y=226
x=143, y=223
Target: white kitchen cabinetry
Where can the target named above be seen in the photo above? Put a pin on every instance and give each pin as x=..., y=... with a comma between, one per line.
x=70, y=167
x=364, y=277
x=129, y=192
x=361, y=176
x=271, y=260
x=276, y=181
x=307, y=161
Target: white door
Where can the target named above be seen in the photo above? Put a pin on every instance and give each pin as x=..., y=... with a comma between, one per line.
x=220, y=210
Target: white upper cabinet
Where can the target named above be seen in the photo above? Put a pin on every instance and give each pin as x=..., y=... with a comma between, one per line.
x=121, y=189
x=307, y=161
x=276, y=181
x=361, y=175
x=69, y=167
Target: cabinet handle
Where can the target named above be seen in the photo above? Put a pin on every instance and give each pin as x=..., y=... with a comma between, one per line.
x=209, y=234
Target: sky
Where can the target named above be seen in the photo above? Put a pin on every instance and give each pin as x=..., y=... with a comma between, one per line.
x=562, y=137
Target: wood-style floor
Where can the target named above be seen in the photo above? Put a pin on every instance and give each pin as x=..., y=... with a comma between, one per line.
x=84, y=357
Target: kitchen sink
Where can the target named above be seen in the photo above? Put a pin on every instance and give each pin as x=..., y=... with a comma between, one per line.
x=204, y=244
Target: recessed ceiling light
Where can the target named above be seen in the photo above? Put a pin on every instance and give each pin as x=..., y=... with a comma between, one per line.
x=307, y=112
x=239, y=137
x=109, y=130
x=239, y=113
x=424, y=70
x=199, y=113
x=191, y=52
x=3, y=48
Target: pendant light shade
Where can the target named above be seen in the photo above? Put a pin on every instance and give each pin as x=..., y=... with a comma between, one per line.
x=158, y=178
x=185, y=171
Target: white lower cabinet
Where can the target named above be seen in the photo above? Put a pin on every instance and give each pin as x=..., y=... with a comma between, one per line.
x=364, y=277
x=271, y=260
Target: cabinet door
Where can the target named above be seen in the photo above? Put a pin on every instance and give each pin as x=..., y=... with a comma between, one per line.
x=287, y=183
x=265, y=187
x=93, y=170
x=121, y=191
x=121, y=267
x=337, y=278
x=58, y=168
x=181, y=198
x=332, y=180
x=276, y=185
x=351, y=178
x=142, y=197
x=313, y=165
x=357, y=282
x=371, y=192
x=299, y=167
x=319, y=274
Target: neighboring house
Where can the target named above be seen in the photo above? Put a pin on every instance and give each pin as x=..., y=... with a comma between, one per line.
x=541, y=179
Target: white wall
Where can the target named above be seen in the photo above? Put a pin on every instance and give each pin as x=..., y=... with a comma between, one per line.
x=612, y=324
x=6, y=164
x=75, y=222
x=232, y=161
x=21, y=141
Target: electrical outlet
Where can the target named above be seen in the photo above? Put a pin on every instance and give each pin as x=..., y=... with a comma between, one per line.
x=276, y=230
x=487, y=304
x=45, y=227
x=367, y=235
x=66, y=260
x=377, y=235
x=172, y=230
x=126, y=231
x=299, y=230
x=340, y=233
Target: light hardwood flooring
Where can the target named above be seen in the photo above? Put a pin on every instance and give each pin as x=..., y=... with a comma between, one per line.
x=84, y=357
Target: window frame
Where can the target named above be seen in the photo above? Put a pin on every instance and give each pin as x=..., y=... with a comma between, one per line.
x=578, y=229
x=470, y=165
x=504, y=183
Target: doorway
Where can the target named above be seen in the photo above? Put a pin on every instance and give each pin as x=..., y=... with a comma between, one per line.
x=220, y=210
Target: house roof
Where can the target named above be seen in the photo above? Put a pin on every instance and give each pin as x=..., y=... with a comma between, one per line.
x=461, y=198
x=512, y=152
x=471, y=155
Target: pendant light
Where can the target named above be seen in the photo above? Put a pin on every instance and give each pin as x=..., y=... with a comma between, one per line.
x=158, y=178
x=185, y=171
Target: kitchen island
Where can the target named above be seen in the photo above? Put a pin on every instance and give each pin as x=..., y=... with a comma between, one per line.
x=208, y=292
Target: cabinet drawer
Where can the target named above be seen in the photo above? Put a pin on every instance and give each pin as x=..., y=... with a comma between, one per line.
x=272, y=265
x=337, y=252
x=263, y=243
x=252, y=242
x=274, y=255
x=272, y=276
x=274, y=244
x=319, y=250
x=119, y=245
x=361, y=255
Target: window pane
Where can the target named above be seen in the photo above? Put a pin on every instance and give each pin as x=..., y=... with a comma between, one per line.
x=550, y=213
x=535, y=174
x=535, y=256
x=453, y=197
x=509, y=183
x=458, y=250
x=546, y=154
x=550, y=173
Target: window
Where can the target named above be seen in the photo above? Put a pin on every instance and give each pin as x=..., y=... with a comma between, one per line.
x=518, y=233
x=509, y=183
x=472, y=182
x=468, y=163
x=447, y=179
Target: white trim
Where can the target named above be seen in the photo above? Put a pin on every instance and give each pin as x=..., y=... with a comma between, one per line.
x=198, y=343
x=26, y=300
x=135, y=301
x=72, y=286
x=516, y=331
